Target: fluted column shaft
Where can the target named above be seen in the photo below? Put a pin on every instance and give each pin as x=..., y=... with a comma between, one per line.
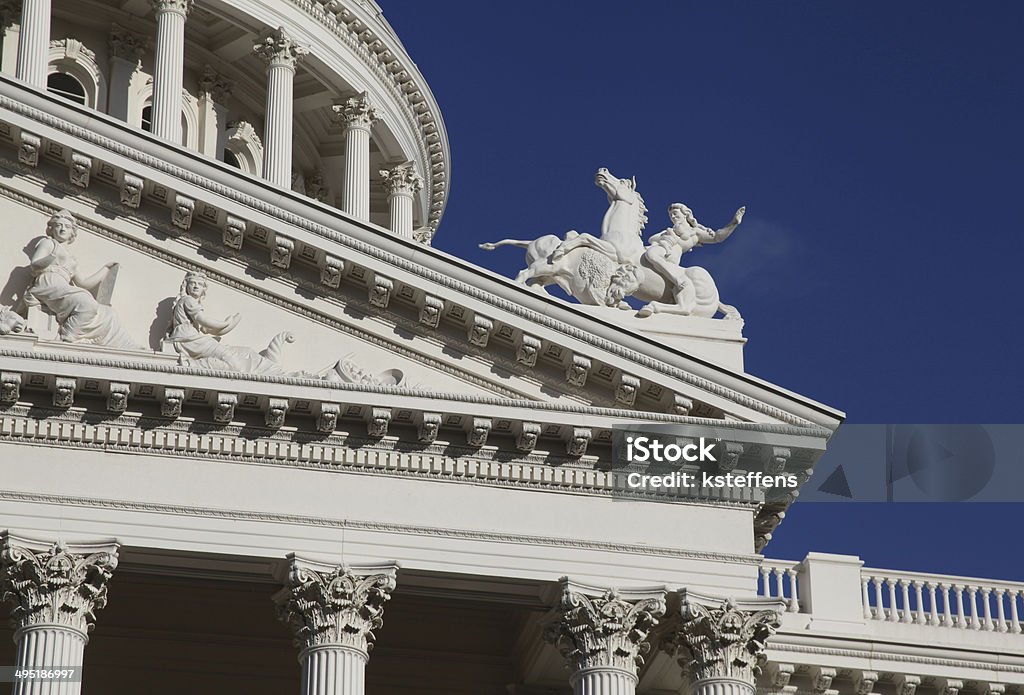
x=333, y=612
x=34, y=42
x=47, y=647
x=603, y=681
x=168, y=66
x=401, y=183
x=280, y=53
x=331, y=669
x=357, y=116
x=722, y=686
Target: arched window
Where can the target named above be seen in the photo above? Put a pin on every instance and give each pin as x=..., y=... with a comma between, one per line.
x=64, y=85
x=147, y=119
x=231, y=160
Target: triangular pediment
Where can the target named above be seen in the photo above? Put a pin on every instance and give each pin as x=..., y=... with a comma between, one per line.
x=344, y=289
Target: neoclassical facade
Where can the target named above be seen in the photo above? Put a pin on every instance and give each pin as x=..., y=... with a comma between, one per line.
x=258, y=436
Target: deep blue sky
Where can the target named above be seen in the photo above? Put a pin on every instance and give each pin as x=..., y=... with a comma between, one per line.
x=878, y=147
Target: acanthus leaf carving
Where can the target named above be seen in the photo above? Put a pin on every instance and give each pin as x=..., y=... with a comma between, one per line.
x=526, y=439
x=181, y=213
x=62, y=585
x=577, y=371
x=64, y=392
x=281, y=252
x=479, y=331
x=234, y=232
x=430, y=311
x=606, y=630
x=29, y=147
x=117, y=398
x=356, y=112
x=171, y=403
x=377, y=422
x=478, y=431
x=224, y=408
x=327, y=420
x=340, y=606
x=131, y=190
x=10, y=387
x=276, y=47
x=527, y=349
x=380, y=291
x=626, y=390
x=331, y=271
x=277, y=410
x=428, y=425
x=723, y=638
x=579, y=438
x=80, y=169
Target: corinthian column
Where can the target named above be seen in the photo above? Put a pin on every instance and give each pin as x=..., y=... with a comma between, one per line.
x=54, y=591
x=401, y=183
x=126, y=50
x=34, y=42
x=214, y=92
x=168, y=66
x=280, y=54
x=602, y=634
x=332, y=612
x=356, y=115
x=720, y=642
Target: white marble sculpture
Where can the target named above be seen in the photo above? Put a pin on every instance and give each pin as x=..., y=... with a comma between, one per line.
x=605, y=270
x=196, y=338
x=11, y=322
x=79, y=302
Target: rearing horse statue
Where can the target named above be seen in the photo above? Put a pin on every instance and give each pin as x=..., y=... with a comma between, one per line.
x=583, y=264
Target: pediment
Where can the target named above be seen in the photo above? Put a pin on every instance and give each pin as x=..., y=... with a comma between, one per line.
x=343, y=288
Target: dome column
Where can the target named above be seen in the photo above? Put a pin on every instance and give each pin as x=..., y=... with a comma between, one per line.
x=214, y=92
x=168, y=67
x=721, y=642
x=401, y=183
x=54, y=591
x=126, y=51
x=602, y=635
x=280, y=53
x=357, y=116
x=34, y=42
x=333, y=612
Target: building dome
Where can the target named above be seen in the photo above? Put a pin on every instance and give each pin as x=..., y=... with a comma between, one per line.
x=319, y=97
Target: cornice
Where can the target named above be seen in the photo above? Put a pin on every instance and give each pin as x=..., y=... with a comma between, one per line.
x=360, y=525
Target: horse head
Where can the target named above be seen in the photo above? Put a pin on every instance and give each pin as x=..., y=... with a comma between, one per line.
x=623, y=191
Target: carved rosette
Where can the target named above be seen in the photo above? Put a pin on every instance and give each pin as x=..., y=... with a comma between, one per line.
x=604, y=632
x=55, y=586
x=334, y=606
x=719, y=639
x=276, y=48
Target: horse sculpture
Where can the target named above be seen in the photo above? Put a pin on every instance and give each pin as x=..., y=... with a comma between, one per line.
x=604, y=271
x=582, y=264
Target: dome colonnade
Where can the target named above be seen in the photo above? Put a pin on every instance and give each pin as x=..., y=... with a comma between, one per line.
x=355, y=127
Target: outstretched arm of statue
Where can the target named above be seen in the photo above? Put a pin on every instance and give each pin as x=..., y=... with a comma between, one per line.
x=708, y=236
x=44, y=253
x=92, y=282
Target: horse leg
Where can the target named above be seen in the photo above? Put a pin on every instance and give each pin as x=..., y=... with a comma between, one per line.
x=686, y=302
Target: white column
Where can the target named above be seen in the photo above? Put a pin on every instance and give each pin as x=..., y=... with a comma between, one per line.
x=34, y=42
x=57, y=589
x=401, y=183
x=722, y=640
x=214, y=91
x=126, y=51
x=280, y=54
x=356, y=115
x=10, y=15
x=168, y=66
x=333, y=612
x=602, y=635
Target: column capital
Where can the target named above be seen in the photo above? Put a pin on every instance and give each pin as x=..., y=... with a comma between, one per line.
x=334, y=605
x=55, y=583
x=356, y=112
x=604, y=629
x=180, y=6
x=215, y=85
x=723, y=638
x=126, y=45
x=401, y=179
x=276, y=48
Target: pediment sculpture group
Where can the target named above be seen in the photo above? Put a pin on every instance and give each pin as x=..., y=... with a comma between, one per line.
x=80, y=305
x=605, y=270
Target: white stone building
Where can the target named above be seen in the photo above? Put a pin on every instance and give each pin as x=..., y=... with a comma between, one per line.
x=420, y=460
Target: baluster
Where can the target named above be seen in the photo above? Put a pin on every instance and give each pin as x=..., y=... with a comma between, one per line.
x=1014, y=620
x=765, y=588
x=864, y=597
x=988, y=609
x=961, y=616
x=894, y=613
x=794, y=599
x=919, y=617
x=905, y=595
x=947, y=614
x=779, y=593
x=879, y=605
x=972, y=593
x=1001, y=612
x=934, y=611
